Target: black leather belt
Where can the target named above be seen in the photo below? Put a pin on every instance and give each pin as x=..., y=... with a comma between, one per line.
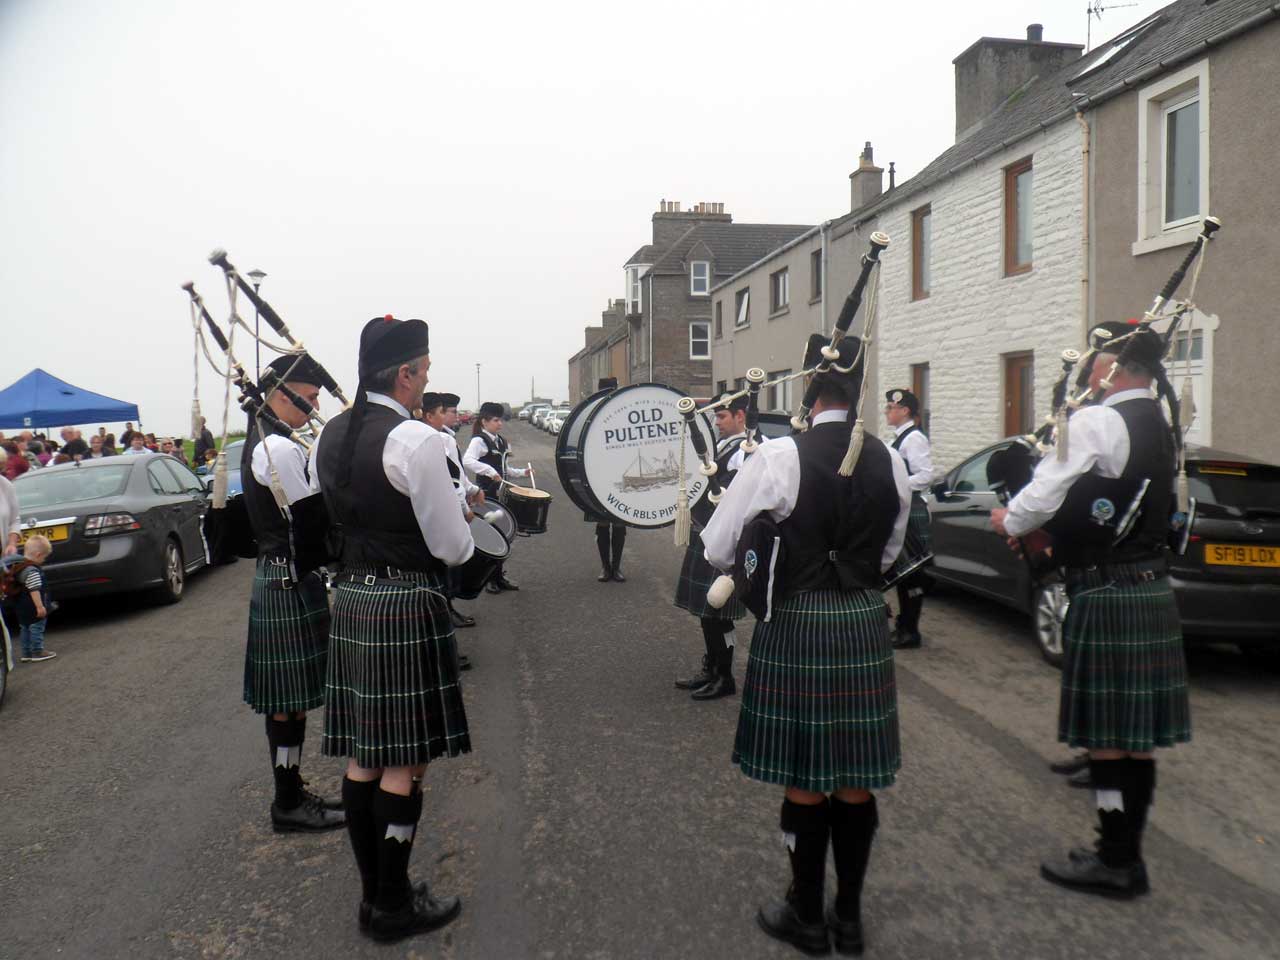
x=375, y=576
x=1123, y=572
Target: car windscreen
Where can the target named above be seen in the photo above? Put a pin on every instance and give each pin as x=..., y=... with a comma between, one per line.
x=41, y=489
x=1247, y=487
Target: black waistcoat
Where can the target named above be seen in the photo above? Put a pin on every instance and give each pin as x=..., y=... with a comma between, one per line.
x=375, y=521
x=852, y=516
x=304, y=539
x=1085, y=527
x=897, y=444
x=495, y=455
x=704, y=508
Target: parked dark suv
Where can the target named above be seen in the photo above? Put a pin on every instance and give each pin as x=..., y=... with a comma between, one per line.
x=1227, y=583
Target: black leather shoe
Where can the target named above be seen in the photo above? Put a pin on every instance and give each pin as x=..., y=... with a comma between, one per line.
x=907, y=640
x=702, y=678
x=461, y=620
x=504, y=584
x=333, y=803
x=846, y=934
x=1088, y=874
x=366, y=908
x=605, y=576
x=464, y=662
x=310, y=816
x=617, y=575
x=719, y=686
x=421, y=914
x=1067, y=767
x=1082, y=780
x=492, y=587
x=780, y=921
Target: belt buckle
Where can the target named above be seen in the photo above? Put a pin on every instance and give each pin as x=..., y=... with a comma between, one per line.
x=370, y=580
x=1147, y=576
x=394, y=573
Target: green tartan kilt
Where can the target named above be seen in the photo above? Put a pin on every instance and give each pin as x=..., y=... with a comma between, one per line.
x=392, y=696
x=288, y=644
x=917, y=546
x=1124, y=674
x=696, y=577
x=819, y=703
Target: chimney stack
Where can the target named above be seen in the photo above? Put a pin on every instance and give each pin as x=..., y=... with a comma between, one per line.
x=991, y=70
x=670, y=221
x=867, y=182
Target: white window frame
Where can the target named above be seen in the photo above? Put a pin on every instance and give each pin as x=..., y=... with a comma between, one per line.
x=780, y=290
x=781, y=391
x=635, y=288
x=1154, y=101
x=743, y=311
x=693, y=278
x=1172, y=105
x=706, y=328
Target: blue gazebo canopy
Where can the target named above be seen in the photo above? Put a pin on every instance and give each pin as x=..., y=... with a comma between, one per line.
x=42, y=400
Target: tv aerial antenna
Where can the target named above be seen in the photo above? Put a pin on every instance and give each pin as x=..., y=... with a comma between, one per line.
x=1095, y=9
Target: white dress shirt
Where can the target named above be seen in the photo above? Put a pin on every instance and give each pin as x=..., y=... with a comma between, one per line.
x=769, y=482
x=290, y=463
x=918, y=452
x=465, y=487
x=413, y=460
x=477, y=449
x=1099, y=442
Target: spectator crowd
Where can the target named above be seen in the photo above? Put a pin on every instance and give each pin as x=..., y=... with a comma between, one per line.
x=31, y=451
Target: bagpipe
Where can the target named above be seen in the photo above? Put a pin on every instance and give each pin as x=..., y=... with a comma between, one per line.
x=762, y=570
x=254, y=398
x=1011, y=469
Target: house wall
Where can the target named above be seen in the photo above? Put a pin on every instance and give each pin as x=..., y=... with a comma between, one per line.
x=975, y=314
x=1240, y=284
x=674, y=308
x=776, y=342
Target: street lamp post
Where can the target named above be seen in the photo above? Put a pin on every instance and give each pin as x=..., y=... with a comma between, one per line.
x=257, y=276
x=477, y=389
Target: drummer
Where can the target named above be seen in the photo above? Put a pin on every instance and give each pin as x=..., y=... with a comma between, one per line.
x=486, y=460
x=436, y=414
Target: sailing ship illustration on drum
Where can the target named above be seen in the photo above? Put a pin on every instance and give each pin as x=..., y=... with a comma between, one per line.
x=646, y=475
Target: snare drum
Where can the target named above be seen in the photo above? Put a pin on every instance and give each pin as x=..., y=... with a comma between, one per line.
x=491, y=549
x=497, y=516
x=529, y=506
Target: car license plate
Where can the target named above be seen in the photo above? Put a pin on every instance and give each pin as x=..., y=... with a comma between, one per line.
x=53, y=534
x=1241, y=555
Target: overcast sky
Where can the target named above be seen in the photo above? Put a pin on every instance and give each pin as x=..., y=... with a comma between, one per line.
x=487, y=167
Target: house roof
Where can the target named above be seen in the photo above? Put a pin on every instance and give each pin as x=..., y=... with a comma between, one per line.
x=1163, y=41
x=644, y=255
x=733, y=245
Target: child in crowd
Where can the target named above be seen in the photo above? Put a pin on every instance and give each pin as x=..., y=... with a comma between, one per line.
x=33, y=612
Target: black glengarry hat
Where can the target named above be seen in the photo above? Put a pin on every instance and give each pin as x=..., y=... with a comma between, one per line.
x=846, y=370
x=1144, y=346
x=297, y=368
x=904, y=398
x=448, y=400
x=387, y=342
x=733, y=406
x=490, y=409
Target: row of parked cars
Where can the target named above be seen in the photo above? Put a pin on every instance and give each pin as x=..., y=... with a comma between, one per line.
x=545, y=416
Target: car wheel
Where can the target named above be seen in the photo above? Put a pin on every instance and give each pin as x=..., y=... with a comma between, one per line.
x=1048, y=612
x=173, y=572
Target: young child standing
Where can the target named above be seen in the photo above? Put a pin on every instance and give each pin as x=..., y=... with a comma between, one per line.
x=33, y=612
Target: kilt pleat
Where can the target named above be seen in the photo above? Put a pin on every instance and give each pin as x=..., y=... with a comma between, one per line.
x=696, y=578
x=288, y=642
x=819, y=704
x=392, y=695
x=1124, y=672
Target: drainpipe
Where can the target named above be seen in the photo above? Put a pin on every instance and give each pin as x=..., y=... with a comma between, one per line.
x=1084, y=233
x=826, y=226
x=652, y=318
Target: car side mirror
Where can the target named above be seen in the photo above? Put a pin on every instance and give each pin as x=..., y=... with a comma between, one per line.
x=940, y=491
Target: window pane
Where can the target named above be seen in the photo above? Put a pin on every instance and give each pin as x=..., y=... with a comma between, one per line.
x=1023, y=199
x=1182, y=163
x=926, y=251
x=744, y=304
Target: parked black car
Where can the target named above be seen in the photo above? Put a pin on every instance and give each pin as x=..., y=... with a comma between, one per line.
x=117, y=524
x=1227, y=583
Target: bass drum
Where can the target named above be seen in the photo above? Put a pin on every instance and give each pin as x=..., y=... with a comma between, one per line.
x=618, y=455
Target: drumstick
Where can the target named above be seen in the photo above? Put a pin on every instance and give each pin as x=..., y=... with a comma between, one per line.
x=532, y=480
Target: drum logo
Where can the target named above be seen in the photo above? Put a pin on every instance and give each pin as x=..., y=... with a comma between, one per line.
x=749, y=563
x=1102, y=511
x=632, y=457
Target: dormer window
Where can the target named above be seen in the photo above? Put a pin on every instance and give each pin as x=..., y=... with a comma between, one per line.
x=634, y=288
x=699, y=278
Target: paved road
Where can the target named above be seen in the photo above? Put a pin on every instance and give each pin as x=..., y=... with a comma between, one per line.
x=599, y=815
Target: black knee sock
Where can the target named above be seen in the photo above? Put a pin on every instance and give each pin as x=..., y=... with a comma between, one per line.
x=1109, y=781
x=396, y=822
x=602, y=546
x=910, y=603
x=853, y=827
x=362, y=828
x=617, y=538
x=1139, y=789
x=285, y=739
x=713, y=634
x=805, y=829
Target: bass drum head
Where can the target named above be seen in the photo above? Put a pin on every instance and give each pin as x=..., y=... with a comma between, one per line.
x=629, y=455
x=568, y=444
